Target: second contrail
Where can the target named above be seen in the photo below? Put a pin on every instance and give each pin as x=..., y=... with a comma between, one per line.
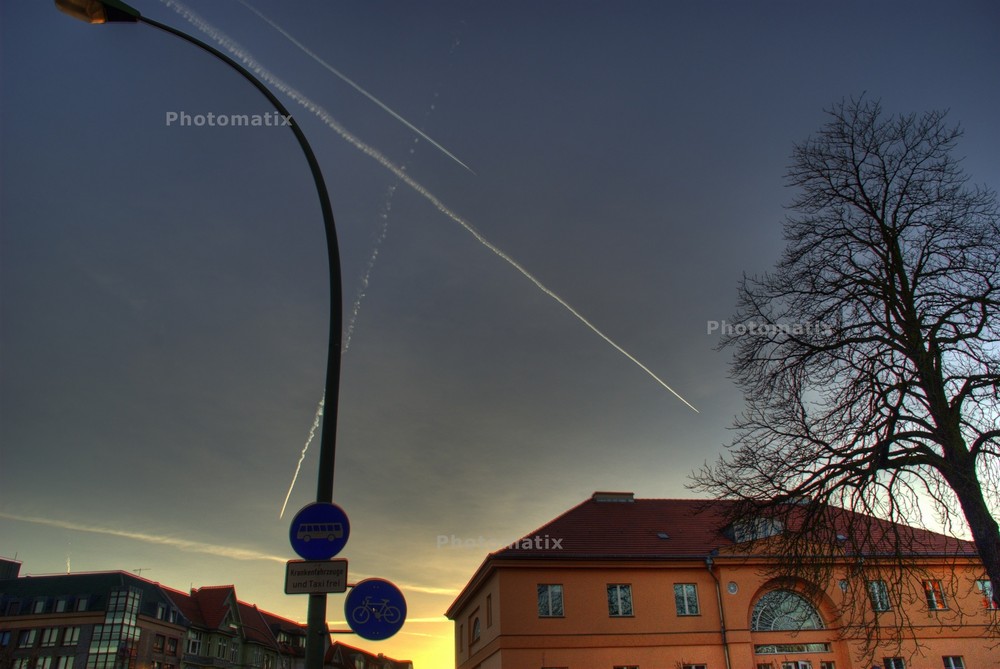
x=347, y=80
x=249, y=61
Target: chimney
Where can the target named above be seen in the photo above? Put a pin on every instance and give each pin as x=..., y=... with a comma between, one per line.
x=613, y=497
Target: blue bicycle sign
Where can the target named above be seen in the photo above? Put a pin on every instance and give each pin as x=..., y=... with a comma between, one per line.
x=382, y=611
x=375, y=609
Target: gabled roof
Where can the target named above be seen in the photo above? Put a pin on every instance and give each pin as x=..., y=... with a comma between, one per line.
x=255, y=627
x=208, y=607
x=341, y=655
x=215, y=603
x=188, y=606
x=276, y=624
x=616, y=526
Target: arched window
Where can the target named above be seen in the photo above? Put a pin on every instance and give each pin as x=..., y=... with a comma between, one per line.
x=784, y=610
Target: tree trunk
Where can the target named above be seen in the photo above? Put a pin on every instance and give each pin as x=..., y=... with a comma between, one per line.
x=985, y=531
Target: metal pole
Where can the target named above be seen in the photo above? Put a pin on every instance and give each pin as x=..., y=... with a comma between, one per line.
x=317, y=634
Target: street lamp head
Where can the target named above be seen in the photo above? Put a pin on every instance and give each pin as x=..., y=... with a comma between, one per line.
x=99, y=11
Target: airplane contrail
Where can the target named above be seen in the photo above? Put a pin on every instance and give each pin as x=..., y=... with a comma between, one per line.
x=174, y=542
x=380, y=236
x=265, y=75
x=352, y=84
x=302, y=456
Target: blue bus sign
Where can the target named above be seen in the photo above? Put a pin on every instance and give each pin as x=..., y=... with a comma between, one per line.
x=375, y=609
x=319, y=531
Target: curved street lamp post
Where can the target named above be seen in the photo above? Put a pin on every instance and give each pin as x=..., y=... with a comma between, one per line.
x=114, y=11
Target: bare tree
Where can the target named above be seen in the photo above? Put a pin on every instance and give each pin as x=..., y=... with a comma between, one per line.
x=869, y=357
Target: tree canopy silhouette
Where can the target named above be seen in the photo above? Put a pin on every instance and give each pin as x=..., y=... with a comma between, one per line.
x=869, y=357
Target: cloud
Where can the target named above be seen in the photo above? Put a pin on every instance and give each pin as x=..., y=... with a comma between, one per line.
x=186, y=545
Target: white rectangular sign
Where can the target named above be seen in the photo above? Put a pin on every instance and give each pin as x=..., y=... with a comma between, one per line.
x=314, y=577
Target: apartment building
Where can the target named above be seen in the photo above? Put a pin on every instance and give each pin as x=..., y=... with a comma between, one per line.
x=118, y=620
x=624, y=583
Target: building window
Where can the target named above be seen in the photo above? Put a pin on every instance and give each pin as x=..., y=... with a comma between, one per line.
x=619, y=600
x=879, y=595
x=161, y=612
x=985, y=588
x=234, y=651
x=61, y=605
x=159, y=642
x=827, y=664
x=38, y=606
x=71, y=636
x=784, y=610
x=220, y=648
x=784, y=648
x=50, y=636
x=934, y=593
x=753, y=529
x=893, y=663
x=694, y=666
x=953, y=662
x=44, y=663
x=4, y=638
x=474, y=631
x=626, y=666
x=489, y=610
x=797, y=664
x=64, y=662
x=550, y=600
x=26, y=639
x=765, y=665
x=686, y=599
x=194, y=642
x=81, y=603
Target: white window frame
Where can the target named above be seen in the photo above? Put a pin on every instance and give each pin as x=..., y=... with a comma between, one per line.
x=549, y=589
x=878, y=593
x=985, y=588
x=684, y=589
x=620, y=602
x=934, y=594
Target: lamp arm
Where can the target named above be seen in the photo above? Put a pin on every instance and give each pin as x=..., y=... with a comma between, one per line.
x=328, y=437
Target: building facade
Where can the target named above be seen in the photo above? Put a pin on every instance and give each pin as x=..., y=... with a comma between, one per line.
x=117, y=620
x=624, y=583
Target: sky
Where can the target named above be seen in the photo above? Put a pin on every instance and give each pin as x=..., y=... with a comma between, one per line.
x=163, y=287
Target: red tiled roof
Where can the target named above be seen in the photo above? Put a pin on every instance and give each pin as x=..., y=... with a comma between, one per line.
x=340, y=654
x=615, y=525
x=187, y=605
x=214, y=602
x=207, y=607
x=255, y=627
x=618, y=526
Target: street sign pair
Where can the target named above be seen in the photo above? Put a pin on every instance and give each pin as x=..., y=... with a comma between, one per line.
x=375, y=608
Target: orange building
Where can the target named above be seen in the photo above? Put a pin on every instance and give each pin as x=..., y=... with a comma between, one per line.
x=623, y=583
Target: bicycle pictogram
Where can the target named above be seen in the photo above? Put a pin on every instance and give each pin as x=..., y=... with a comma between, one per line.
x=383, y=611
